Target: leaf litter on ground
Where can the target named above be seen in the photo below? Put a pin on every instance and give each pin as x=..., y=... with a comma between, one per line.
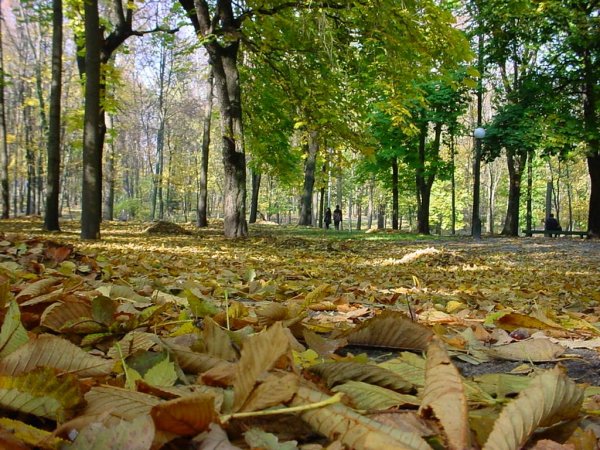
x=314, y=340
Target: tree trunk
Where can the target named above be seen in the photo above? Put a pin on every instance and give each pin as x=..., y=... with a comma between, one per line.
x=395, y=193
x=311, y=150
x=453, y=182
x=54, y=126
x=202, y=218
x=594, y=208
x=91, y=196
x=529, y=213
x=516, y=165
x=371, y=204
x=227, y=84
x=109, y=203
x=381, y=217
x=4, y=191
x=424, y=182
x=256, y=177
x=590, y=115
x=321, y=205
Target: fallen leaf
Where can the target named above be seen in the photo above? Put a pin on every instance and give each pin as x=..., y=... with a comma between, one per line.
x=444, y=395
x=550, y=398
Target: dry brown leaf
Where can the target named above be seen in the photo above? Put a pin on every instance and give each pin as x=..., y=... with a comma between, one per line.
x=185, y=416
x=550, y=398
x=52, y=351
x=546, y=444
x=194, y=362
x=120, y=402
x=339, y=372
x=321, y=345
x=217, y=341
x=277, y=388
x=390, y=329
x=338, y=422
x=259, y=354
x=444, y=394
x=535, y=350
x=69, y=313
x=39, y=287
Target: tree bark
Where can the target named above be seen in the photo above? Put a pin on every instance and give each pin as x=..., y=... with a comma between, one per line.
x=109, y=202
x=4, y=190
x=395, y=193
x=256, y=178
x=54, y=127
x=590, y=115
x=91, y=193
x=311, y=150
x=516, y=165
x=202, y=218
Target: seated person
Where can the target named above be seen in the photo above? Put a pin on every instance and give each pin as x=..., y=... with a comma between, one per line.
x=551, y=224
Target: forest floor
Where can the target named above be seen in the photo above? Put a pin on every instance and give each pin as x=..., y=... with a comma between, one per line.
x=475, y=295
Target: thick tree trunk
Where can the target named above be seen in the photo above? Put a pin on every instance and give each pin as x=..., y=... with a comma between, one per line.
x=54, y=126
x=590, y=115
x=395, y=193
x=256, y=177
x=227, y=84
x=516, y=165
x=424, y=182
x=311, y=150
x=202, y=218
x=91, y=196
x=594, y=208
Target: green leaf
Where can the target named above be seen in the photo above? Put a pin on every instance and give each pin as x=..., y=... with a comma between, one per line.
x=257, y=438
x=13, y=334
x=162, y=374
x=41, y=393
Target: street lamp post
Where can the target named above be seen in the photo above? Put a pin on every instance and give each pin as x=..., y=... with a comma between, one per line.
x=478, y=134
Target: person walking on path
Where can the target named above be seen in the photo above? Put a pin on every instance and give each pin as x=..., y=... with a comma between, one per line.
x=327, y=218
x=337, y=217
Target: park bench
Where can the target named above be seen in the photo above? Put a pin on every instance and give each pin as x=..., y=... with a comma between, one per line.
x=530, y=233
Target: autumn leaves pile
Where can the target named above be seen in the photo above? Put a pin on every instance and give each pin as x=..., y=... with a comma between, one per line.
x=92, y=358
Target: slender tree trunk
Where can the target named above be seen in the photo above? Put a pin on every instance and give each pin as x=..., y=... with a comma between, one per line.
x=569, y=198
x=453, y=182
x=91, y=197
x=202, y=219
x=395, y=193
x=321, y=205
x=476, y=218
x=54, y=129
x=4, y=160
x=516, y=165
x=108, y=210
x=371, y=204
x=256, y=178
x=311, y=150
x=529, y=213
x=381, y=216
x=30, y=157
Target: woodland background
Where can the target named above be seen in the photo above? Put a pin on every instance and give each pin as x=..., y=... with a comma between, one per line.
x=370, y=106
